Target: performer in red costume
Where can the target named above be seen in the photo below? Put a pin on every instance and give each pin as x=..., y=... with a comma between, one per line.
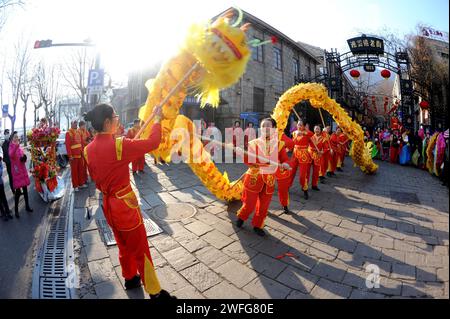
x=137, y=165
x=284, y=176
x=74, y=146
x=259, y=181
x=334, y=142
x=325, y=159
x=108, y=159
x=302, y=140
x=343, y=145
x=316, y=153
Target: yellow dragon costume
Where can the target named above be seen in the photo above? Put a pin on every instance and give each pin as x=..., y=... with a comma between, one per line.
x=215, y=57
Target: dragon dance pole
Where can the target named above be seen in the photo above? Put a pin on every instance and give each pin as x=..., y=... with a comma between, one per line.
x=298, y=117
x=244, y=151
x=169, y=95
x=323, y=123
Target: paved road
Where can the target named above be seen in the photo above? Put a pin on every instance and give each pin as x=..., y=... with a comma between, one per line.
x=393, y=225
x=18, y=245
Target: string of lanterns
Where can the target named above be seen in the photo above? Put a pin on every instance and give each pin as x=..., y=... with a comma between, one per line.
x=384, y=73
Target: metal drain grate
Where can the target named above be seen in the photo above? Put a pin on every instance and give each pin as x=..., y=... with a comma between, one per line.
x=54, y=262
x=405, y=198
x=54, y=288
x=150, y=226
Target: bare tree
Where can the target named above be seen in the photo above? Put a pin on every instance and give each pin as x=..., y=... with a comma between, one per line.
x=75, y=72
x=5, y=5
x=17, y=75
x=47, y=85
x=70, y=109
x=37, y=104
x=430, y=73
x=25, y=93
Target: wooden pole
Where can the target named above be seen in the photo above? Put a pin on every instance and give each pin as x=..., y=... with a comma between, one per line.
x=169, y=95
x=298, y=117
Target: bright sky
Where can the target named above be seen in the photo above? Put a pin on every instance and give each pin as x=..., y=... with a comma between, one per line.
x=132, y=34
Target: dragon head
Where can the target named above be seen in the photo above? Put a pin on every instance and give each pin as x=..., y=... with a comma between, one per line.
x=222, y=50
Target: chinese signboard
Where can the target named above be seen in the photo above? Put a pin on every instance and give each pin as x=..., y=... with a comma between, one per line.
x=369, y=67
x=366, y=45
x=434, y=34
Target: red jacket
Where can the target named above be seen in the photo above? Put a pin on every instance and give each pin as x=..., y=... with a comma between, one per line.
x=74, y=143
x=302, y=141
x=260, y=172
x=108, y=160
x=315, y=155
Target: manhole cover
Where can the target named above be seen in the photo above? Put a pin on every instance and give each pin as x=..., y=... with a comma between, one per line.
x=405, y=198
x=174, y=212
x=150, y=226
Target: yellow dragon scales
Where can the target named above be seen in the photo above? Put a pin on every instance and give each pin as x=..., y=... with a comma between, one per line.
x=215, y=57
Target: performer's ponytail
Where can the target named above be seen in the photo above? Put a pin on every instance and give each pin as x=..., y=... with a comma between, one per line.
x=98, y=115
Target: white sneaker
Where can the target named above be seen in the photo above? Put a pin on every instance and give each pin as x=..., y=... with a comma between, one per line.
x=76, y=189
x=84, y=186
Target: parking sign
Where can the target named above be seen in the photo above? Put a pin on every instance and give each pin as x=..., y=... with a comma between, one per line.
x=95, y=81
x=5, y=108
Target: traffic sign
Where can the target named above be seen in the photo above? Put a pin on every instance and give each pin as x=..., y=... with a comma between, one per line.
x=96, y=81
x=5, y=110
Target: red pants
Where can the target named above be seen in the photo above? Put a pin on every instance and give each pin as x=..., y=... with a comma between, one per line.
x=338, y=159
x=134, y=257
x=324, y=163
x=342, y=159
x=315, y=176
x=294, y=166
x=393, y=153
x=255, y=201
x=333, y=162
x=138, y=165
x=283, y=191
x=305, y=169
x=78, y=171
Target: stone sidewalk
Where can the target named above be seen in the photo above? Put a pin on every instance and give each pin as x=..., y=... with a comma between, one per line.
x=395, y=222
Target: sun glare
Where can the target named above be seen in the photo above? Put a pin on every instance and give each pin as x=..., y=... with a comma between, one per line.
x=137, y=36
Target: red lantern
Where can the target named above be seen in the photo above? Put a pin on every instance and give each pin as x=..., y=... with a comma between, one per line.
x=424, y=105
x=386, y=74
x=355, y=74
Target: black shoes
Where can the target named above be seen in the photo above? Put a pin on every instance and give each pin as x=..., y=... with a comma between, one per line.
x=29, y=209
x=259, y=231
x=286, y=210
x=315, y=188
x=322, y=179
x=162, y=295
x=135, y=282
x=339, y=169
x=306, y=194
x=239, y=223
